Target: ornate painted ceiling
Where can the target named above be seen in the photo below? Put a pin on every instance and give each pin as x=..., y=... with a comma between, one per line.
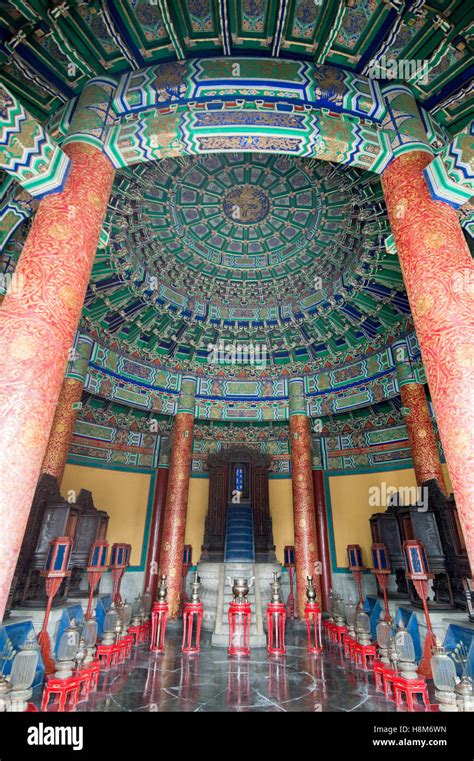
x=237, y=248
x=254, y=249
x=48, y=50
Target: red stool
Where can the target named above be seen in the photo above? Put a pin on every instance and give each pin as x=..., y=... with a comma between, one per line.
x=159, y=618
x=122, y=647
x=192, y=620
x=128, y=641
x=89, y=679
x=411, y=689
x=94, y=668
x=312, y=613
x=379, y=669
x=140, y=633
x=327, y=624
x=337, y=633
x=364, y=656
x=84, y=678
x=65, y=694
x=239, y=628
x=389, y=675
x=108, y=656
x=276, y=619
x=348, y=643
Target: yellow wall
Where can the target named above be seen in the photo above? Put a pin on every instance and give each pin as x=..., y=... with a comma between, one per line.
x=281, y=511
x=197, y=510
x=351, y=510
x=122, y=494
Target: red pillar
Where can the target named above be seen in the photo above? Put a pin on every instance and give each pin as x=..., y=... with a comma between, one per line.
x=421, y=434
x=324, y=553
x=156, y=530
x=37, y=331
x=174, y=529
x=67, y=407
x=434, y=259
x=306, y=556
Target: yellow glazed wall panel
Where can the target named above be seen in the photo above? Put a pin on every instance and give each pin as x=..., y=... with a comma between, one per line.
x=122, y=494
x=196, y=516
x=281, y=511
x=351, y=509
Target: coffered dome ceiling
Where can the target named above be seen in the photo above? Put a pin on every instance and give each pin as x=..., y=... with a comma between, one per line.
x=246, y=247
x=289, y=253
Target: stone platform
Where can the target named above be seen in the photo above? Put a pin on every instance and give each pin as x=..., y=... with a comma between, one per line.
x=216, y=595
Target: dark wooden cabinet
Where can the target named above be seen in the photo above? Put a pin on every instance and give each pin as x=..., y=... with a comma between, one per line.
x=385, y=528
x=91, y=525
x=215, y=524
x=59, y=519
x=435, y=523
x=52, y=516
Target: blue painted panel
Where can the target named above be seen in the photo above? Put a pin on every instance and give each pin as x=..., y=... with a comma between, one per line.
x=103, y=602
x=455, y=634
x=410, y=621
x=17, y=633
x=373, y=607
x=70, y=612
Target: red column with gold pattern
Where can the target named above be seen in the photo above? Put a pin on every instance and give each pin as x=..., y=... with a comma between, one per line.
x=306, y=554
x=421, y=434
x=37, y=331
x=435, y=262
x=156, y=531
x=172, y=544
x=69, y=403
x=324, y=553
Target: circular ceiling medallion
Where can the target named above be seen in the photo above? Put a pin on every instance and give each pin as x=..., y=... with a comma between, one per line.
x=246, y=204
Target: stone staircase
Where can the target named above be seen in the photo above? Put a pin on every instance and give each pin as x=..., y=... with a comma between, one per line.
x=239, y=545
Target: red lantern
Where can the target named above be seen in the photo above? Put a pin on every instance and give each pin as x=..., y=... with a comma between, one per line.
x=381, y=571
x=119, y=560
x=192, y=620
x=356, y=566
x=96, y=567
x=312, y=613
x=417, y=570
x=56, y=569
x=276, y=620
x=159, y=616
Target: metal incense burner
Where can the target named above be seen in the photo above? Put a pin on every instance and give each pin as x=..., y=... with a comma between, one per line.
x=240, y=588
x=311, y=595
x=196, y=586
x=162, y=590
x=276, y=587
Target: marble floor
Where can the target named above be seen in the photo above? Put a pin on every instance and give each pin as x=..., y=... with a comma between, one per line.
x=213, y=681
